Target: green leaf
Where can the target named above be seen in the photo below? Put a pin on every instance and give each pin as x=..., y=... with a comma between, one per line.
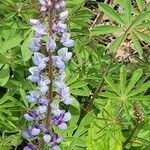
x=143, y=25
x=140, y=4
x=102, y=130
x=127, y=4
x=79, y=92
x=135, y=77
x=112, y=85
x=117, y=43
x=26, y=53
x=123, y=74
x=141, y=18
x=143, y=36
x=78, y=84
x=111, y=13
x=23, y=97
x=139, y=89
x=73, y=78
x=85, y=124
x=4, y=75
x=10, y=43
x=104, y=29
x=137, y=44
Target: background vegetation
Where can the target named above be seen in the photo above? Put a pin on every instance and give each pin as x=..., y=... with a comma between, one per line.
x=109, y=75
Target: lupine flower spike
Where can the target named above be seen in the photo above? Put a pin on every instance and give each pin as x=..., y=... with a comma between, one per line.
x=55, y=30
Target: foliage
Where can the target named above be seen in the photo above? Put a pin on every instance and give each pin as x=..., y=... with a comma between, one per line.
x=121, y=32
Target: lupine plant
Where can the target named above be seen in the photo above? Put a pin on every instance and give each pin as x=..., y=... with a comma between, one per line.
x=50, y=47
x=74, y=75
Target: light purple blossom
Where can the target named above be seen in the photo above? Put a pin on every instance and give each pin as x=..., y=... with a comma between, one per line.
x=62, y=4
x=30, y=147
x=41, y=109
x=35, y=44
x=39, y=76
x=51, y=44
x=31, y=115
x=34, y=22
x=60, y=117
x=46, y=138
x=40, y=60
x=35, y=131
x=64, y=15
x=26, y=134
x=64, y=54
x=33, y=97
x=58, y=63
x=66, y=41
x=59, y=27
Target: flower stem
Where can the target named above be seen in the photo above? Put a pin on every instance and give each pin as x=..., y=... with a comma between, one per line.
x=50, y=70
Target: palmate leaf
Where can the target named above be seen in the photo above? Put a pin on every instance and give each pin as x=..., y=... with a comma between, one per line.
x=26, y=53
x=123, y=75
x=116, y=44
x=10, y=43
x=111, y=13
x=126, y=91
x=137, y=44
x=142, y=36
x=105, y=29
x=134, y=79
x=104, y=132
x=142, y=16
x=127, y=4
x=140, y=4
x=112, y=85
x=4, y=75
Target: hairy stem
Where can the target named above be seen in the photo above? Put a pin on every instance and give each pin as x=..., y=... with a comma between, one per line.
x=50, y=70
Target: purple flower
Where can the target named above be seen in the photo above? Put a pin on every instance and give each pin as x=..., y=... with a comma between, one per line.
x=34, y=95
x=38, y=27
x=67, y=100
x=31, y=115
x=62, y=4
x=41, y=109
x=35, y=74
x=64, y=15
x=55, y=139
x=64, y=54
x=43, y=101
x=66, y=41
x=26, y=134
x=34, y=22
x=59, y=27
x=35, y=45
x=55, y=109
x=30, y=147
x=51, y=44
x=60, y=119
x=55, y=147
x=35, y=131
x=46, y=138
x=58, y=63
x=40, y=60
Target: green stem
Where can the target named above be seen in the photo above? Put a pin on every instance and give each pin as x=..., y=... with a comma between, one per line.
x=131, y=135
x=99, y=88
